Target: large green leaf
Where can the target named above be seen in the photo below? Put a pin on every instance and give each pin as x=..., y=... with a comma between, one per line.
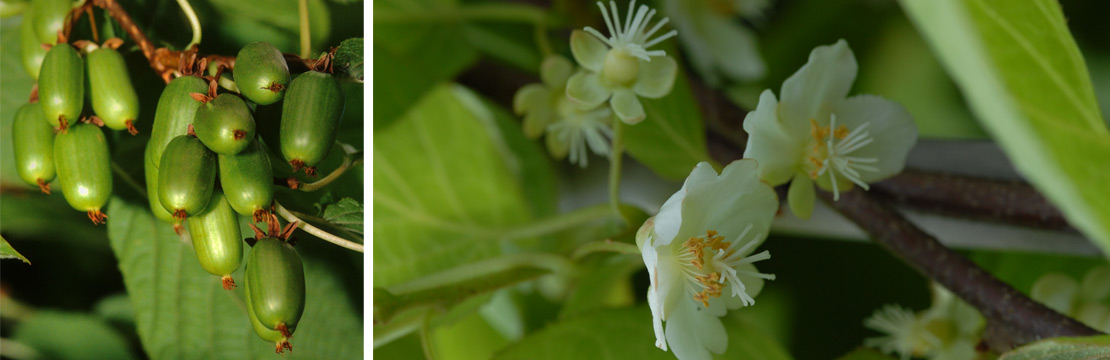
x=1095, y=347
x=627, y=334
x=65, y=335
x=8, y=252
x=182, y=312
x=441, y=183
x=1020, y=69
x=413, y=51
x=671, y=140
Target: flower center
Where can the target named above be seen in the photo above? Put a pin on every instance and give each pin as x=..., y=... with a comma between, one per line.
x=831, y=149
x=620, y=67
x=707, y=272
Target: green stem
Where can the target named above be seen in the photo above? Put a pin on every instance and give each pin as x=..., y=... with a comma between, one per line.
x=541, y=38
x=128, y=180
x=479, y=12
x=402, y=325
x=351, y=157
x=426, y=339
x=321, y=220
x=323, y=235
x=615, y=168
x=193, y=22
x=604, y=245
x=555, y=223
x=306, y=32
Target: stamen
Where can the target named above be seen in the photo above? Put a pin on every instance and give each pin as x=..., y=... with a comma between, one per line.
x=598, y=35
x=637, y=24
x=628, y=20
x=616, y=21
x=608, y=23
x=659, y=39
x=658, y=25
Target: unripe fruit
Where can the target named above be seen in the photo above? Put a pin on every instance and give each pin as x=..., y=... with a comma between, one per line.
x=33, y=143
x=261, y=73
x=216, y=239
x=61, y=86
x=30, y=48
x=48, y=18
x=225, y=124
x=248, y=181
x=276, y=278
x=84, y=169
x=280, y=341
x=113, y=98
x=309, y=119
x=152, y=191
x=176, y=109
x=186, y=177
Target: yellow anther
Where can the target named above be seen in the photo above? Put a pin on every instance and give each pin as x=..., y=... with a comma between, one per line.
x=841, y=132
x=712, y=287
x=818, y=132
x=696, y=245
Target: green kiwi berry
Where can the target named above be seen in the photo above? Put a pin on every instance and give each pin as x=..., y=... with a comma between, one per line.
x=186, y=177
x=113, y=98
x=309, y=119
x=261, y=73
x=225, y=124
x=216, y=239
x=33, y=145
x=84, y=168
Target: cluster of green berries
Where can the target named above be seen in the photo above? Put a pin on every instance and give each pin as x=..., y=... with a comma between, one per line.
x=199, y=139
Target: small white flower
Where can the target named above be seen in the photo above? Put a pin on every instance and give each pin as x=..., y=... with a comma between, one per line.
x=619, y=67
x=818, y=135
x=1085, y=301
x=948, y=329
x=569, y=129
x=698, y=251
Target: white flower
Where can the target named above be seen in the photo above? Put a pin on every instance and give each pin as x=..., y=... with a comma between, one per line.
x=698, y=252
x=1084, y=301
x=717, y=44
x=569, y=129
x=949, y=329
x=816, y=134
x=620, y=67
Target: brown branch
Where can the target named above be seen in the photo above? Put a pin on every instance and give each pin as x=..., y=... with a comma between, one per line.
x=1012, y=202
x=1014, y=319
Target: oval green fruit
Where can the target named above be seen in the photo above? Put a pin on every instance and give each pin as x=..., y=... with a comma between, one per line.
x=61, y=86
x=48, y=18
x=261, y=73
x=280, y=341
x=248, y=181
x=186, y=177
x=309, y=119
x=33, y=145
x=225, y=124
x=113, y=98
x=156, y=207
x=216, y=239
x=30, y=48
x=276, y=278
x=84, y=168
x=176, y=110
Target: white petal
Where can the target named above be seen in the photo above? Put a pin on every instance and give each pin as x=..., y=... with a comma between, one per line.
x=823, y=81
x=777, y=151
x=889, y=124
x=727, y=203
x=657, y=318
x=693, y=334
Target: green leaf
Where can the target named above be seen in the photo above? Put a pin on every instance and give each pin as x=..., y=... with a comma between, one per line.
x=347, y=214
x=413, y=53
x=277, y=23
x=64, y=335
x=181, y=311
x=17, y=89
x=627, y=334
x=671, y=140
x=440, y=183
x=607, y=286
x=1094, y=347
x=1025, y=79
x=349, y=58
x=8, y=252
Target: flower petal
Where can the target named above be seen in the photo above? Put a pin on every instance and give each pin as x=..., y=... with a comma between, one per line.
x=529, y=98
x=728, y=204
x=558, y=148
x=693, y=334
x=555, y=70
x=801, y=196
x=588, y=50
x=890, y=125
x=1055, y=290
x=655, y=304
x=777, y=151
x=669, y=219
x=656, y=77
x=535, y=123
x=822, y=82
x=627, y=107
x=586, y=91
